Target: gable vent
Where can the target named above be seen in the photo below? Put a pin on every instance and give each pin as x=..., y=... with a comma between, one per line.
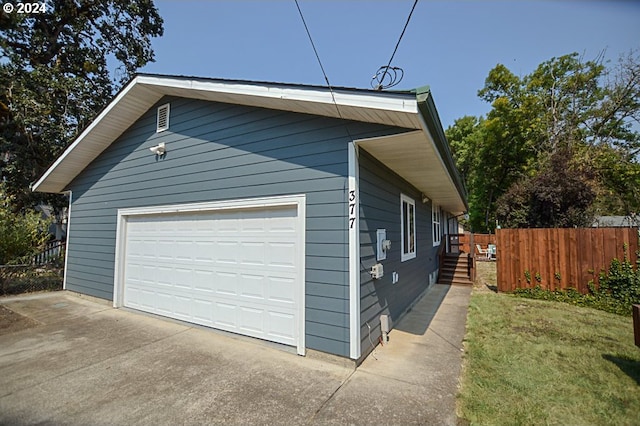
x=163, y=118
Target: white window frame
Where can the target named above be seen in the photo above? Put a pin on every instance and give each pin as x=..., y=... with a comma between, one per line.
x=404, y=221
x=436, y=220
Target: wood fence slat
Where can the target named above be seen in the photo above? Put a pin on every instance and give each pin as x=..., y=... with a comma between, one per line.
x=634, y=246
x=501, y=246
x=627, y=242
x=575, y=260
x=558, y=273
x=599, y=257
x=565, y=261
x=533, y=255
x=537, y=241
x=546, y=261
x=515, y=263
x=555, y=249
x=587, y=264
x=528, y=256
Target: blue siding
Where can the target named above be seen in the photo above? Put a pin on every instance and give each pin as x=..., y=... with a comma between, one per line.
x=380, y=190
x=216, y=152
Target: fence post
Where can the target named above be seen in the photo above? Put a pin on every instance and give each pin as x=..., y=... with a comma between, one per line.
x=472, y=257
x=636, y=324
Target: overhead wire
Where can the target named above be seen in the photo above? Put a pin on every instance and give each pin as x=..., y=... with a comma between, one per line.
x=398, y=73
x=313, y=45
x=384, y=70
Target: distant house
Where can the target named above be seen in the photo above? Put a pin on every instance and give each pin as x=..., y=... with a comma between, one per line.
x=260, y=208
x=616, y=221
x=58, y=227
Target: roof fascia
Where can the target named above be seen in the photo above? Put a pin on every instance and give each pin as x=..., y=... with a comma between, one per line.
x=85, y=132
x=390, y=101
x=431, y=119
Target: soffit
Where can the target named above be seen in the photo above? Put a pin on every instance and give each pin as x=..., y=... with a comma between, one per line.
x=413, y=157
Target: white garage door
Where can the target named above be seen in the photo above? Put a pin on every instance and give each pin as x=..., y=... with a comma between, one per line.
x=237, y=270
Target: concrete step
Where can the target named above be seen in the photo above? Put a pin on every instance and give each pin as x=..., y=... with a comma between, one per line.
x=454, y=268
x=448, y=262
x=455, y=282
x=458, y=276
x=456, y=261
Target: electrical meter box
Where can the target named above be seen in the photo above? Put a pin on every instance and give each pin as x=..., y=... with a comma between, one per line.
x=377, y=271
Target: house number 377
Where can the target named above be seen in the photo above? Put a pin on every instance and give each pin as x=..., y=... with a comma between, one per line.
x=352, y=208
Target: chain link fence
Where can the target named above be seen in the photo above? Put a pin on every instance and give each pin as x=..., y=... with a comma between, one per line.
x=44, y=271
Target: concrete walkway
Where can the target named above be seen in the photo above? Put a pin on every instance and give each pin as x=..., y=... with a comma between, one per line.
x=414, y=378
x=79, y=362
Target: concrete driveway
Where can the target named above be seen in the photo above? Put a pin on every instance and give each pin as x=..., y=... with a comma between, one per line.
x=65, y=359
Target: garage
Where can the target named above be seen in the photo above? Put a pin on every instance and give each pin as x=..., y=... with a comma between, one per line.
x=236, y=266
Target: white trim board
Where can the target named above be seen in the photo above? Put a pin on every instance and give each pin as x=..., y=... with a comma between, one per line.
x=66, y=246
x=299, y=201
x=353, y=224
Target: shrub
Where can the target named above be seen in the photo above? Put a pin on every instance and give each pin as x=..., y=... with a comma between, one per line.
x=22, y=233
x=620, y=285
x=618, y=289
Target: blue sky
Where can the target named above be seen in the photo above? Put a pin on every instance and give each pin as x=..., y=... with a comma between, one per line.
x=449, y=45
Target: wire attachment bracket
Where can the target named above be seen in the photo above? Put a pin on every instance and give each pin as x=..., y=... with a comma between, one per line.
x=386, y=77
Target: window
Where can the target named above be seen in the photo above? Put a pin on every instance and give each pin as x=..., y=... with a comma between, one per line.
x=408, y=227
x=435, y=219
x=163, y=118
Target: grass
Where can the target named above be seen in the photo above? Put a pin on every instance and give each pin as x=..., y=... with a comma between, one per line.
x=540, y=362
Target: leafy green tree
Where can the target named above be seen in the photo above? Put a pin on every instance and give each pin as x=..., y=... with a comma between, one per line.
x=464, y=138
x=561, y=195
x=55, y=78
x=619, y=173
x=566, y=106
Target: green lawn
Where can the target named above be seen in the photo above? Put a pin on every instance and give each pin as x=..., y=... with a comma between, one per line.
x=535, y=362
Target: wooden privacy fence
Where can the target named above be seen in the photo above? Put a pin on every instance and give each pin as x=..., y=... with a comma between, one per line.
x=558, y=259
x=482, y=239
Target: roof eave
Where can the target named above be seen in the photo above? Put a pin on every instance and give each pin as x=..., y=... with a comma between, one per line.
x=431, y=120
x=143, y=91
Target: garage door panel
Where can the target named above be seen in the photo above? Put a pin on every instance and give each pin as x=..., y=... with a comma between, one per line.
x=252, y=253
x=164, y=303
x=235, y=270
x=251, y=320
x=183, y=307
x=203, y=311
x=225, y=316
x=147, y=299
x=281, y=325
x=227, y=251
x=226, y=283
x=281, y=290
x=252, y=286
x=281, y=254
x=202, y=281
